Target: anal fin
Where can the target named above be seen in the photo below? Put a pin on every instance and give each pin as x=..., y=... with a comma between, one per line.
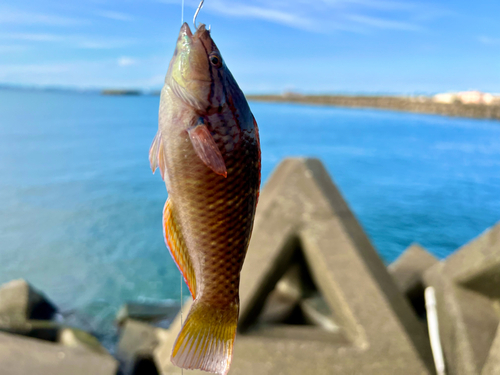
x=177, y=246
x=206, y=148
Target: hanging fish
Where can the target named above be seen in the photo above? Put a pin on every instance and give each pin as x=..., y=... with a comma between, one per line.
x=208, y=151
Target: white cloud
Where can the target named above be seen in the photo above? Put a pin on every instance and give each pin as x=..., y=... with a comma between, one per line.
x=87, y=74
x=126, y=61
x=7, y=70
x=381, y=4
x=11, y=48
x=72, y=41
x=110, y=43
x=187, y=3
x=326, y=15
x=155, y=81
x=16, y=16
x=489, y=41
x=350, y=4
x=50, y=73
x=117, y=16
x=245, y=10
x=381, y=23
x=261, y=12
x=32, y=37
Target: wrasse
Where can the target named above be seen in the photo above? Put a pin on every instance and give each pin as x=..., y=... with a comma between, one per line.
x=208, y=151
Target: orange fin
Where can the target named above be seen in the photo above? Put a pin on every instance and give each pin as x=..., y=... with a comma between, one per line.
x=206, y=338
x=206, y=148
x=177, y=246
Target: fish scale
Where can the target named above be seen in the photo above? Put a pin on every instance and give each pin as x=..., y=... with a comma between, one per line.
x=208, y=150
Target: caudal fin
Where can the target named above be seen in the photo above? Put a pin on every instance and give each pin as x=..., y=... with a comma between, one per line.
x=206, y=338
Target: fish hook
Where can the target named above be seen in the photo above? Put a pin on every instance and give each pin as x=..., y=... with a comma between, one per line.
x=196, y=14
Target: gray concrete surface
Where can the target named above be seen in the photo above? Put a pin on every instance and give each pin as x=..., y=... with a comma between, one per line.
x=19, y=302
x=408, y=273
x=146, y=312
x=302, y=212
x=137, y=342
x=467, y=288
x=26, y=356
x=408, y=269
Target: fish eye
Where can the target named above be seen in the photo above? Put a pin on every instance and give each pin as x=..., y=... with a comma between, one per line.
x=216, y=61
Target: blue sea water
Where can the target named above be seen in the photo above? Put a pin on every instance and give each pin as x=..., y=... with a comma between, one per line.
x=80, y=213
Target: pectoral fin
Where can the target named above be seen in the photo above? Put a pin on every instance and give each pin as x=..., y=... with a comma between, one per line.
x=206, y=148
x=157, y=156
x=154, y=152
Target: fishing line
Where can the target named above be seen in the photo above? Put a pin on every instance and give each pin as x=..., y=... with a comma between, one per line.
x=182, y=370
x=182, y=13
x=181, y=298
x=182, y=23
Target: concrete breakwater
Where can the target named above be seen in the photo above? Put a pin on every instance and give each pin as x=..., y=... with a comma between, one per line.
x=405, y=104
x=315, y=299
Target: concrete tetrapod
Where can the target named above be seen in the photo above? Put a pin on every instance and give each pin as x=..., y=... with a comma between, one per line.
x=137, y=342
x=342, y=314
x=408, y=273
x=20, y=302
x=21, y=356
x=467, y=286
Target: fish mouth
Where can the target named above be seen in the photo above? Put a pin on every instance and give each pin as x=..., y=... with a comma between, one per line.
x=186, y=31
x=199, y=32
x=188, y=39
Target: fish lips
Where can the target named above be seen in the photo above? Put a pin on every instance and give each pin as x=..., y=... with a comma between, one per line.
x=200, y=33
x=185, y=31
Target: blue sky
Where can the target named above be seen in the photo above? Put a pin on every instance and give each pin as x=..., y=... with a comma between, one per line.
x=321, y=46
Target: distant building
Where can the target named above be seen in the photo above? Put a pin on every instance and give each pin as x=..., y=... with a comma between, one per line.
x=471, y=97
x=488, y=99
x=492, y=99
x=447, y=98
x=468, y=97
x=291, y=94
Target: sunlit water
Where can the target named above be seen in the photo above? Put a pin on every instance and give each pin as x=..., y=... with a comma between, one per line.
x=80, y=213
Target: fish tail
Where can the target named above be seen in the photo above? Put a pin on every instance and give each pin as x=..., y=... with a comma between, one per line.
x=206, y=339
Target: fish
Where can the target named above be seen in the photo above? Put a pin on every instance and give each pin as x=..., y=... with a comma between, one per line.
x=208, y=151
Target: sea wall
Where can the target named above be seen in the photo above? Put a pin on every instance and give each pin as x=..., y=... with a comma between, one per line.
x=396, y=103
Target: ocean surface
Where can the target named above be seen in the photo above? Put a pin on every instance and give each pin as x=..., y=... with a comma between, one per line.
x=80, y=210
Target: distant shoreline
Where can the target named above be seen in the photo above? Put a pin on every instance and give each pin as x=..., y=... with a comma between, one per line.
x=121, y=92
x=415, y=104
x=421, y=104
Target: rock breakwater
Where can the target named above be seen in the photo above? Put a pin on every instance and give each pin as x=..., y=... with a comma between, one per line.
x=396, y=103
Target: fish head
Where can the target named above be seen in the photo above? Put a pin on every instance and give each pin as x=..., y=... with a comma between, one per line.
x=196, y=73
